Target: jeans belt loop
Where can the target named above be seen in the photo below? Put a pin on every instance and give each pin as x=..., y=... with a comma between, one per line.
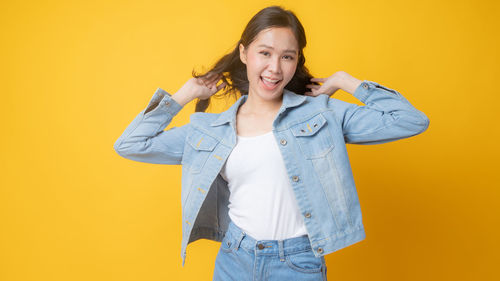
x=281, y=250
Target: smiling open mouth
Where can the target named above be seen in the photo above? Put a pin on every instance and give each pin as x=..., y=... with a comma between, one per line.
x=269, y=84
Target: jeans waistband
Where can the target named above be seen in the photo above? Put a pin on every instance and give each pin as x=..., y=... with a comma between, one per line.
x=268, y=247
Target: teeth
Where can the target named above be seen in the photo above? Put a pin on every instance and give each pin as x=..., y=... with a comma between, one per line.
x=269, y=80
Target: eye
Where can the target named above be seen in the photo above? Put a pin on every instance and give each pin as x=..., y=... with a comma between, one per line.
x=266, y=53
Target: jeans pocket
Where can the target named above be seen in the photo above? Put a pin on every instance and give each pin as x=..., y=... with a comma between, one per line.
x=305, y=262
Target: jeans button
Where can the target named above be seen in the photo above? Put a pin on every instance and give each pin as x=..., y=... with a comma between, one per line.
x=283, y=142
x=260, y=246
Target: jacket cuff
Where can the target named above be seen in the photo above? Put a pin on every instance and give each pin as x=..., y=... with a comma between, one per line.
x=363, y=90
x=163, y=101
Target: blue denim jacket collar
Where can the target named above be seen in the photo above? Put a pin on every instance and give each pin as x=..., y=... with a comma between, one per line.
x=290, y=99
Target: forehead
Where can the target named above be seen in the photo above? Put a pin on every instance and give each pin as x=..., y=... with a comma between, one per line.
x=278, y=38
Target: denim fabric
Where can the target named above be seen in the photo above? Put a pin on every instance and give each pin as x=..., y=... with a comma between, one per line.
x=242, y=257
x=312, y=133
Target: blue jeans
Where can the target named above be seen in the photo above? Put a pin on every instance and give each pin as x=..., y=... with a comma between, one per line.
x=243, y=258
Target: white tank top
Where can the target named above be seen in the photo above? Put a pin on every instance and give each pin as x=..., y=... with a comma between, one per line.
x=261, y=202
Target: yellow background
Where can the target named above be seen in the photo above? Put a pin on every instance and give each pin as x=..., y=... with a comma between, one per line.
x=75, y=73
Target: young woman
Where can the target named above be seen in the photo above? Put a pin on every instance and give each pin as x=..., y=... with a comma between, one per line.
x=269, y=177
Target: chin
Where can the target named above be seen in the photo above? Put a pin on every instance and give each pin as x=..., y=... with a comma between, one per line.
x=269, y=95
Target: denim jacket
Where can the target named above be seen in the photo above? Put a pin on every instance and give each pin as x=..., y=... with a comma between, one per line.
x=312, y=133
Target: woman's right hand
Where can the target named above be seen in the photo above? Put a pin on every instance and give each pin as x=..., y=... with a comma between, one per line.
x=202, y=88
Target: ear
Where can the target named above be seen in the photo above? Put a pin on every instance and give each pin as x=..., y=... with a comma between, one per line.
x=243, y=55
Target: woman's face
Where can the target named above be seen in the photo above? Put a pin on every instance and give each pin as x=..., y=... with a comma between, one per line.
x=273, y=55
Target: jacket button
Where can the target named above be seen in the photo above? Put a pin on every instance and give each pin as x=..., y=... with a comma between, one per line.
x=260, y=246
x=365, y=86
x=307, y=215
x=295, y=178
x=320, y=250
x=283, y=142
x=167, y=103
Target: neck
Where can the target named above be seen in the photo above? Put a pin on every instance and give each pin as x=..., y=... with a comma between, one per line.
x=256, y=105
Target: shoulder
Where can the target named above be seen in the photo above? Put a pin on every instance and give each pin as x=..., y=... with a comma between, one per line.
x=328, y=103
x=315, y=103
x=329, y=106
x=202, y=119
x=201, y=124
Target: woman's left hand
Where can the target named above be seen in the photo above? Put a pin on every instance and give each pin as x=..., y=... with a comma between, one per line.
x=329, y=87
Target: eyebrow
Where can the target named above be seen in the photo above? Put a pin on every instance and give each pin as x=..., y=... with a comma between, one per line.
x=286, y=51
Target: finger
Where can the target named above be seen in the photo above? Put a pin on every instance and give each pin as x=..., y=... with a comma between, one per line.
x=313, y=86
x=215, y=82
x=210, y=76
x=209, y=79
x=222, y=85
x=213, y=87
x=315, y=90
x=318, y=79
x=215, y=78
x=205, y=81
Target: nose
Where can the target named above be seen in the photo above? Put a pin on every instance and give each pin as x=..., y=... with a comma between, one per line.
x=275, y=66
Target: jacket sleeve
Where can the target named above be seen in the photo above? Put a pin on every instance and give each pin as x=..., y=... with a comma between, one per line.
x=145, y=139
x=386, y=116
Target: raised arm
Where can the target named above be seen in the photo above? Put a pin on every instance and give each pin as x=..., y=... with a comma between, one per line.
x=386, y=116
x=145, y=140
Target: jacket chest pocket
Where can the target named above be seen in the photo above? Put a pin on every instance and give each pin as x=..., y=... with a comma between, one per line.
x=200, y=147
x=313, y=137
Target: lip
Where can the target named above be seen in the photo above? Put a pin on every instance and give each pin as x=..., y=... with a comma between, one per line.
x=271, y=78
x=268, y=88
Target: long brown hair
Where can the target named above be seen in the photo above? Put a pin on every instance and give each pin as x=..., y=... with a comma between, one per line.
x=234, y=72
